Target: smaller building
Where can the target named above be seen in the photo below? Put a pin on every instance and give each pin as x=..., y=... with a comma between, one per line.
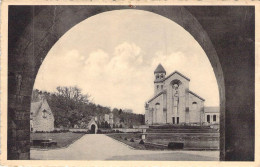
x=41, y=118
x=92, y=125
x=106, y=118
x=211, y=115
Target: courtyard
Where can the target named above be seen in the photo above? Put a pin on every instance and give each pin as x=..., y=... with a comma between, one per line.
x=102, y=147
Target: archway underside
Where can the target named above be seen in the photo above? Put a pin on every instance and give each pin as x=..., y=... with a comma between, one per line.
x=51, y=22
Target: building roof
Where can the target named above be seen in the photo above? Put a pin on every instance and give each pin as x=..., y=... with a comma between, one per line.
x=196, y=95
x=175, y=72
x=35, y=107
x=159, y=69
x=162, y=92
x=39, y=106
x=211, y=109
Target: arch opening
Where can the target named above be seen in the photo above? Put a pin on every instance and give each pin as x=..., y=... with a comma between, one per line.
x=213, y=56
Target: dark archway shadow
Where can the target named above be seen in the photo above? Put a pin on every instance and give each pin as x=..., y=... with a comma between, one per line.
x=42, y=28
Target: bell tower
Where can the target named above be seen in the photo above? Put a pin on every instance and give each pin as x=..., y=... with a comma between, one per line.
x=159, y=75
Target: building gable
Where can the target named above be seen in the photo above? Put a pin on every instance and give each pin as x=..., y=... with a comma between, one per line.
x=178, y=73
x=38, y=108
x=194, y=94
x=162, y=92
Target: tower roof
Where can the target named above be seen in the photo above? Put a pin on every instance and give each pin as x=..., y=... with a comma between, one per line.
x=159, y=69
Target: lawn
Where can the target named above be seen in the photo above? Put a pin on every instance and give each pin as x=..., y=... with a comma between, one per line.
x=191, y=141
x=62, y=139
x=121, y=137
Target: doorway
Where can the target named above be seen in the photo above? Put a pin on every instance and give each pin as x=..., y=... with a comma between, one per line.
x=93, y=129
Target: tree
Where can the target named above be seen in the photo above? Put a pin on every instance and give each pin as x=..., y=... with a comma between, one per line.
x=120, y=112
x=106, y=125
x=73, y=96
x=70, y=106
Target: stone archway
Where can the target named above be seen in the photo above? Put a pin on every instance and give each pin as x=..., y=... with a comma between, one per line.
x=44, y=25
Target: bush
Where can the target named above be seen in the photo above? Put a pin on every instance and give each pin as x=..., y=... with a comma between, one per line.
x=174, y=145
x=85, y=132
x=141, y=142
x=132, y=140
x=54, y=131
x=125, y=138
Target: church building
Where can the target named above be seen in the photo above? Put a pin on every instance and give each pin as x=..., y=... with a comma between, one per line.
x=173, y=102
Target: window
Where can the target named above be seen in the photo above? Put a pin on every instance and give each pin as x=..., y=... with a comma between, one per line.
x=161, y=76
x=175, y=86
x=194, y=105
x=157, y=76
x=177, y=120
x=214, y=118
x=161, y=86
x=208, y=118
x=173, y=120
x=157, y=106
x=44, y=114
x=157, y=86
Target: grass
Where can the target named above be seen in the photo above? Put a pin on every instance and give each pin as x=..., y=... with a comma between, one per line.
x=62, y=139
x=121, y=137
x=191, y=141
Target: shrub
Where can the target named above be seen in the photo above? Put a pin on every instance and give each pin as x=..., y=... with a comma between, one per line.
x=132, y=140
x=174, y=145
x=85, y=132
x=141, y=142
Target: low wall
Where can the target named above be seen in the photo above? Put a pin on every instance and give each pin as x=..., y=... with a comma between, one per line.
x=128, y=130
x=78, y=130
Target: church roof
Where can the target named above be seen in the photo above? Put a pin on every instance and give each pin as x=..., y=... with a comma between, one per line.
x=162, y=92
x=177, y=72
x=196, y=95
x=159, y=69
x=211, y=109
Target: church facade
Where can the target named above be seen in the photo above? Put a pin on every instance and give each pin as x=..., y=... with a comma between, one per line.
x=173, y=102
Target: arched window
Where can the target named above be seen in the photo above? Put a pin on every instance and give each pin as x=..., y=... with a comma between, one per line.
x=44, y=114
x=157, y=106
x=175, y=86
x=157, y=76
x=194, y=105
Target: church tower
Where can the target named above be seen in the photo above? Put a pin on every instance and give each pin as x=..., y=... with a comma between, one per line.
x=159, y=74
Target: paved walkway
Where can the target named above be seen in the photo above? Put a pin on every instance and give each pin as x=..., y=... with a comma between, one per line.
x=102, y=147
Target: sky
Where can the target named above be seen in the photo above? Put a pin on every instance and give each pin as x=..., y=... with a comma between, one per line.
x=112, y=57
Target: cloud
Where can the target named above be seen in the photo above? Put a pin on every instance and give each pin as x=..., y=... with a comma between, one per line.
x=171, y=61
x=117, y=80
x=115, y=61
